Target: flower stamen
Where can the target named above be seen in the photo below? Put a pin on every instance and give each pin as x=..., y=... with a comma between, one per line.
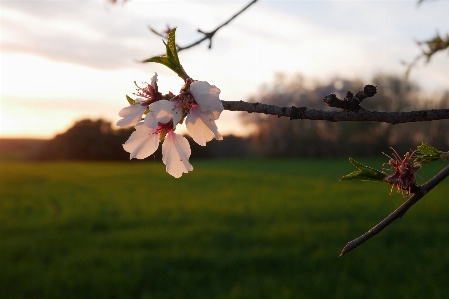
x=404, y=171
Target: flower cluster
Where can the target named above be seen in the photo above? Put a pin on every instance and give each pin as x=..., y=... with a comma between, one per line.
x=404, y=171
x=198, y=104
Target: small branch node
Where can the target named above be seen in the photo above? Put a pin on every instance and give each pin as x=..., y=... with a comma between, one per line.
x=370, y=90
x=350, y=103
x=297, y=113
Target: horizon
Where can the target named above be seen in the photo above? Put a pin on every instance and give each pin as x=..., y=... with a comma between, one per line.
x=84, y=70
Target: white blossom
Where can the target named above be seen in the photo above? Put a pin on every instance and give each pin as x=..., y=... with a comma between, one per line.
x=200, y=106
x=162, y=112
x=131, y=115
x=200, y=121
x=201, y=126
x=175, y=154
x=142, y=143
x=161, y=122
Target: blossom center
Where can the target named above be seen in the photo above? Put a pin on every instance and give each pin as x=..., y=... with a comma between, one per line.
x=148, y=92
x=404, y=171
x=162, y=129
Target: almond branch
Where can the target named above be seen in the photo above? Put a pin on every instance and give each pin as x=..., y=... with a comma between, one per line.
x=209, y=35
x=337, y=116
x=399, y=212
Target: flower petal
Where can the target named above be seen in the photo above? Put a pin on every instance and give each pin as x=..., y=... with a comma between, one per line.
x=175, y=154
x=154, y=80
x=201, y=126
x=162, y=112
x=207, y=96
x=131, y=115
x=142, y=143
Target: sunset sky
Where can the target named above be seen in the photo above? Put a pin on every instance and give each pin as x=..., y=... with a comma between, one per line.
x=65, y=60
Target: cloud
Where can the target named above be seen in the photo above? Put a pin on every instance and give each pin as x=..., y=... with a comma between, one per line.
x=76, y=32
x=95, y=34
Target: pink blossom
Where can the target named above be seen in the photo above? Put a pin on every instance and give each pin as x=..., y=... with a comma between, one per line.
x=404, y=171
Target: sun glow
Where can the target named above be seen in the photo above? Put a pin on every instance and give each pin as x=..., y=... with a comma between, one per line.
x=62, y=61
x=39, y=96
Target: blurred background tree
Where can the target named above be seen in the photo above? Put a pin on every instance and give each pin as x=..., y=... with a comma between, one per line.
x=87, y=140
x=91, y=139
x=280, y=137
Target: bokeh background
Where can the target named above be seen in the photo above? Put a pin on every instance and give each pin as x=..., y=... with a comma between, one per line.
x=66, y=60
x=263, y=214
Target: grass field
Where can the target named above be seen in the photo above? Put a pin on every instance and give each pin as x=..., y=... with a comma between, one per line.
x=229, y=229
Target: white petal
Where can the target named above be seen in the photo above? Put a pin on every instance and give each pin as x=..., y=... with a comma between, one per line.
x=150, y=121
x=175, y=154
x=142, y=142
x=207, y=96
x=177, y=116
x=201, y=127
x=162, y=112
x=154, y=80
x=131, y=115
x=139, y=100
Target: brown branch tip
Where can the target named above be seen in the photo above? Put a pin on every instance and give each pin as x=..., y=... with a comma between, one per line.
x=351, y=102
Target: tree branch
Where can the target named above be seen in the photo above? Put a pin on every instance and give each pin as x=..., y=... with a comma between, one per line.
x=428, y=48
x=399, y=212
x=209, y=35
x=336, y=116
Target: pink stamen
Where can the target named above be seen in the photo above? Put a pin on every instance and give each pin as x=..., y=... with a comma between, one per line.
x=404, y=172
x=163, y=127
x=148, y=92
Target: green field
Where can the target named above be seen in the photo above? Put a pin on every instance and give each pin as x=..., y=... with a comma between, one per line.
x=229, y=229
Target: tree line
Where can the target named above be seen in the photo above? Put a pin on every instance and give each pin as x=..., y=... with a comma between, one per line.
x=311, y=138
x=91, y=139
x=97, y=140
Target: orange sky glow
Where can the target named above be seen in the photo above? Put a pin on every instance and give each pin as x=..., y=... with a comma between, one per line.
x=63, y=61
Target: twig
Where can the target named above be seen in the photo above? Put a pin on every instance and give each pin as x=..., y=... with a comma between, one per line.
x=399, y=212
x=210, y=35
x=336, y=116
x=351, y=102
x=434, y=45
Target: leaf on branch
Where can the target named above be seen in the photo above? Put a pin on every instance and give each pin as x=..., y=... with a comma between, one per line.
x=364, y=173
x=171, y=59
x=428, y=49
x=427, y=153
x=130, y=100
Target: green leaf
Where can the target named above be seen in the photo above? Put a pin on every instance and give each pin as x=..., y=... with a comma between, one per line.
x=162, y=60
x=171, y=45
x=130, y=100
x=427, y=153
x=171, y=59
x=364, y=173
x=427, y=149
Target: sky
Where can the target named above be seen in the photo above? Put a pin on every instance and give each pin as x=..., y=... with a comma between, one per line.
x=66, y=60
